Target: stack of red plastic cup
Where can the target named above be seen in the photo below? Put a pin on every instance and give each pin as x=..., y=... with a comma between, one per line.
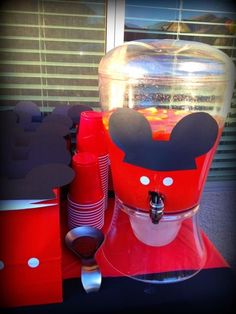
x=86, y=198
x=90, y=137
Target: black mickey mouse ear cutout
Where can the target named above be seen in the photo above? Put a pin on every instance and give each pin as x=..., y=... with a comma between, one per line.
x=38, y=184
x=61, y=110
x=48, y=149
x=27, y=123
x=59, y=118
x=129, y=129
x=75, y=111
x=196, y=132
x=193, y=136
x=24, y=118
x=21, y=155
x=52, y=175
x=53, y=128
x=29, y=107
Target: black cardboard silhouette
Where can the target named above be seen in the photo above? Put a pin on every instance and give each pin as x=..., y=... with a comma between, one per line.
x=33, y=150
x=60, y=119
x=193, y=136
x=38, y=184
x=75, y=111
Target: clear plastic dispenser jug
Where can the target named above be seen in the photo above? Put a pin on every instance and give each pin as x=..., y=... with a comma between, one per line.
x=165, y=104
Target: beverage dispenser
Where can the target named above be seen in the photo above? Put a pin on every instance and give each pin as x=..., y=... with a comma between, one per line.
x=164, y=106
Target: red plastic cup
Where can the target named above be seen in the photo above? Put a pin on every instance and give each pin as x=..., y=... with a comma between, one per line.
x=86, y=188
x=103, y=162
x=85, y=213
x=78, y=217
x=85, y=207
x=90, y=135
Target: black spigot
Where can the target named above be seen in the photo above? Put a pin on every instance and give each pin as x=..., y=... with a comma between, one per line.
x=156, y=207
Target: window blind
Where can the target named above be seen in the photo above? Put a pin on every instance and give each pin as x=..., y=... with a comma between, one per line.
x=50, y=51
x=212, y=22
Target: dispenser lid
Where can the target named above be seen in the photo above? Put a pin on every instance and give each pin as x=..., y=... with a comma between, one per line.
x=168, y=59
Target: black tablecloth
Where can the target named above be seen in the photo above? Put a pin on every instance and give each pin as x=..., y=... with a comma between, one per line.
x=210, y=291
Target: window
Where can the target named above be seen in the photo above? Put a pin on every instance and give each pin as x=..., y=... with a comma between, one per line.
x=50, y=51
x=212, y=22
